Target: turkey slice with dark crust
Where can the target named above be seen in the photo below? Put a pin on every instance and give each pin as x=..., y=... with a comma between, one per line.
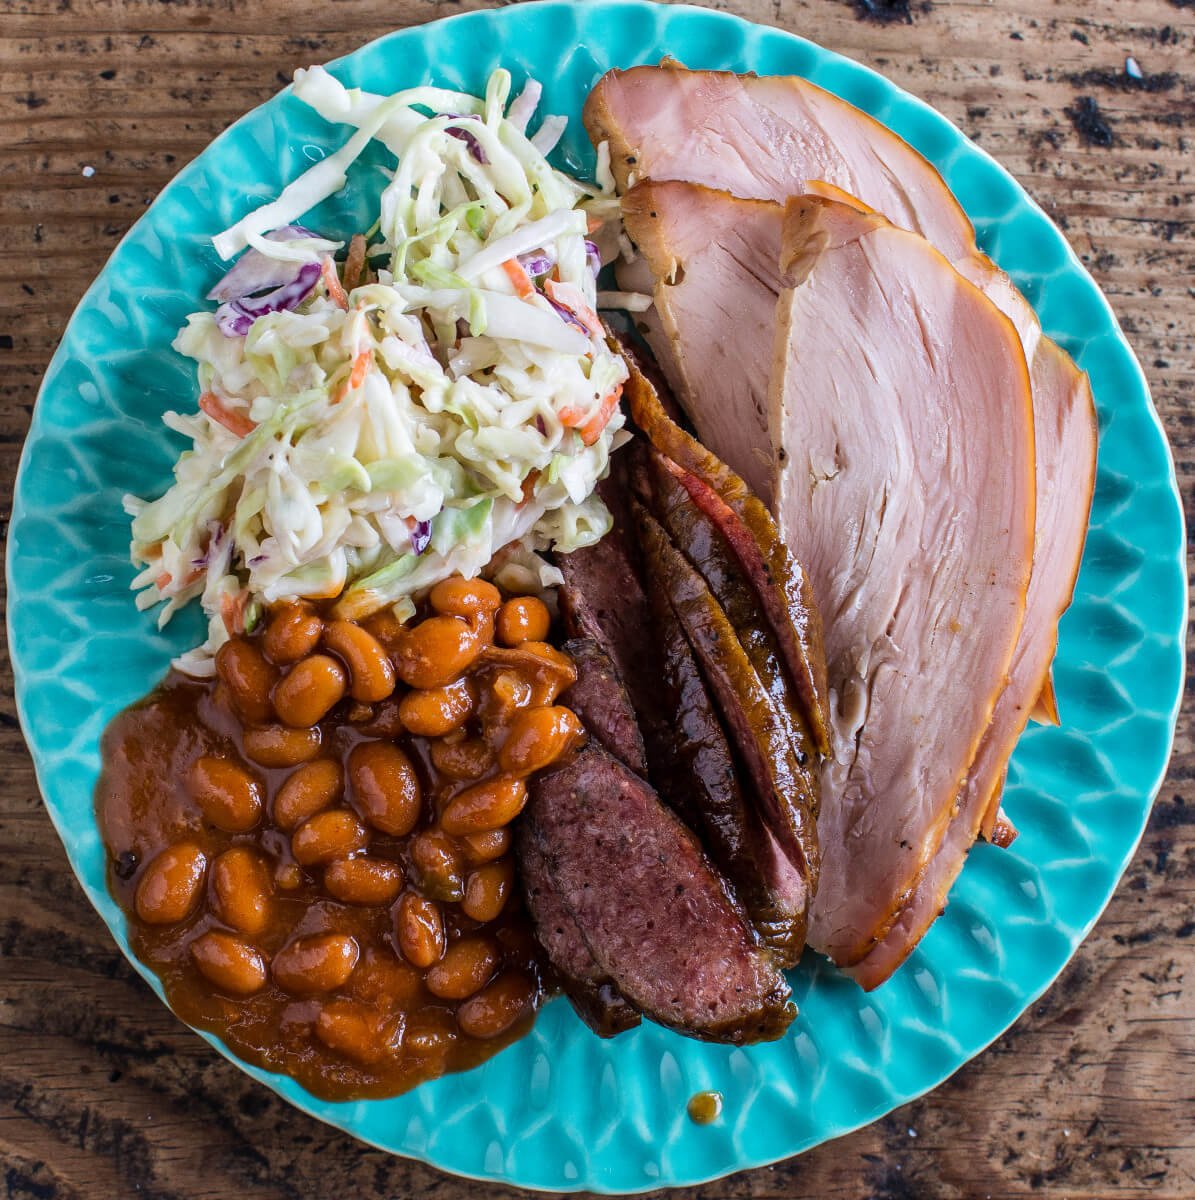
x=780, y=581
x=656, y=917
x=781, y=784
x=689, y=759
x=703, y=787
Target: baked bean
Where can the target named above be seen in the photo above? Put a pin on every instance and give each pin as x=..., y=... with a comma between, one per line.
x=363, y=880
x=308, y=790
x=523, y=619
x=466, y=967
x=369, y=665
x=433, y=712
x=467, y=598
x=227, y=795
x=248, y=677
x=438, y=863
x=310, y=688
x=431, y=1039
x=419, y=927
x=278, y=746
x=360, y=884
x=510, y=692
x=482, y=848
x=485, y=806
x=241, y=889
x=386, y=627
x=437, y=650
x=537, y=737
x=319, y=963
x=229, y=963
x=467, y=758
x=167, y=891
x=383, y=981
x=383, y=720
x=334, y=833
x=385, y=787
x=547, y=669
x=487, y=890
x=495, y=1009
x=288, y=876
x=292, y=634
x=352, y=1030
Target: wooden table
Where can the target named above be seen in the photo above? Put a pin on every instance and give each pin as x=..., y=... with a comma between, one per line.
x=103, y=1094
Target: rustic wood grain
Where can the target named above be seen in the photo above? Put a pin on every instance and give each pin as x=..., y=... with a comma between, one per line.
x=104, y=1094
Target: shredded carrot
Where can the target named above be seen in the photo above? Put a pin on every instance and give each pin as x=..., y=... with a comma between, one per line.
x=336, y=291
x=519, y=278
x=354, y=262
x=529, y=484
x=594, y=224
x=234, y=422
x=361, y=365
x=590, y=426
x=232, y=610
x=164, y=580
x=592, y=429
x=570, y=298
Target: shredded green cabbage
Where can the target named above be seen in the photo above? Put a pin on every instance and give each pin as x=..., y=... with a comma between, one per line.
x=450, y=412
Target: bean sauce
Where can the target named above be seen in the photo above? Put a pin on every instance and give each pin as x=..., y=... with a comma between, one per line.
x=313, y=848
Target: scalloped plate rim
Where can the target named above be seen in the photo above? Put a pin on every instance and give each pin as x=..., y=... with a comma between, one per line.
x=276, y=1082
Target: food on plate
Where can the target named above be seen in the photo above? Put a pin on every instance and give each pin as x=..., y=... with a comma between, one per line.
x=593, y=994
x=338, y=901
x=655, y=916
x=817, y=144
x=780, y=582
x=600, y=700
x=442, y=396
x=772, y=138
x=919, y=540
x=919, y=547
x=1064, y=485
x=507, y=690
x=763, y=137
x=769, y=753
x=691, y=757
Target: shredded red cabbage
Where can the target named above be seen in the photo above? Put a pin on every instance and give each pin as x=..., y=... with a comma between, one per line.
x=215, y=535
x=255, y=272
x=421, y=536
x=537, y=262
x=593, y=257
x=469, y=138
x=568, y=316
x=235, y=317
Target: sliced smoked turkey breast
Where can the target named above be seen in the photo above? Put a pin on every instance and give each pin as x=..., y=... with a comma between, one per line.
x=900, y=428
x=772, y=137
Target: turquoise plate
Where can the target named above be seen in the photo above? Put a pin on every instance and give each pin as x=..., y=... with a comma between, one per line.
x=561, y=1109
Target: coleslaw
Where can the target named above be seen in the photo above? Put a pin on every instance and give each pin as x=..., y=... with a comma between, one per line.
x=442, y=401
